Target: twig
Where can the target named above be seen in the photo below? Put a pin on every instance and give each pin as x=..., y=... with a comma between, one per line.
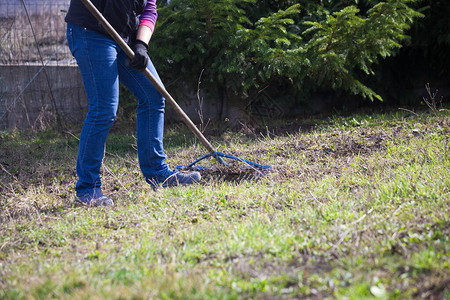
x=6, y=171
x=38, y=215
x=314, y=197
x=200, y=104
x=3, y=246
x=115, y=177
x=345, y=233
x=432, y=103
x=408, y=110
x=71, y=134
x=132, y=163
x=362, y=217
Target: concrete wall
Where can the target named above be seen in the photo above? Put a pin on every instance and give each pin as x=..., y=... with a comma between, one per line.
x=27, y=93
x=31, y=97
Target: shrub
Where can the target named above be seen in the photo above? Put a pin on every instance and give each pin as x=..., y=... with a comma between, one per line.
x=244, y=46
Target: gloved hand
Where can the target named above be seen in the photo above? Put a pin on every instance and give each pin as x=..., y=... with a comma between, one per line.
x=140, y=59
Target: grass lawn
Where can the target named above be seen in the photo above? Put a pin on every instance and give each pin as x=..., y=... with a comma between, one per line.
x=355, y=207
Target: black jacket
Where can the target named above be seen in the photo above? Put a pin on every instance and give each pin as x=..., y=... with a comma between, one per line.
x=123, y=15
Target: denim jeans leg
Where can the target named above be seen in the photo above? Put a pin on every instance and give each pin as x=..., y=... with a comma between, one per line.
x=150, y=119
x=96, y=56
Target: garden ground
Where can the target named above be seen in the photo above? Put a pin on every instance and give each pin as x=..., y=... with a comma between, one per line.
x=355, y=207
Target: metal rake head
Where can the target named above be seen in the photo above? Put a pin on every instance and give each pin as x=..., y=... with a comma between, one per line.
x=228, y=172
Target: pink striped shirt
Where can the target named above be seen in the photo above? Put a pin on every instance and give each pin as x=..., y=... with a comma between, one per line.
x=149, y=16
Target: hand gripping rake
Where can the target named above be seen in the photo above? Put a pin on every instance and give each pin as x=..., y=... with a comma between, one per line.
x=224, y=168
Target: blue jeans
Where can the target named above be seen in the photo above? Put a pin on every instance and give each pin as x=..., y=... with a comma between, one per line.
x=102, y=65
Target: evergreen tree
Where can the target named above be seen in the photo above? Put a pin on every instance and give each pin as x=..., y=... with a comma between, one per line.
x=242, y=46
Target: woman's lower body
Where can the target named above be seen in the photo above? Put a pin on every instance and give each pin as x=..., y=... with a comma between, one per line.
x=102, y=65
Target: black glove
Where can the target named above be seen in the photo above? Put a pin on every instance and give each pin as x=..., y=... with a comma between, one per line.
x=140, y=59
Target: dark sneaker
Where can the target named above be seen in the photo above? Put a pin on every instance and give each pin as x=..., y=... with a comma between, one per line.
x=88, y=200
x=177, y=178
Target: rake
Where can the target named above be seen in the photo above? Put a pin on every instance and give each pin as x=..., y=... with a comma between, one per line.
x=227, y=171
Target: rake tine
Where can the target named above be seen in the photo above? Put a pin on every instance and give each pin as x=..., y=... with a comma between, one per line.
x=219, y=156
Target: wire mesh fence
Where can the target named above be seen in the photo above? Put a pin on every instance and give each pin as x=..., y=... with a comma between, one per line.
x=40, y=85
x=33, y=31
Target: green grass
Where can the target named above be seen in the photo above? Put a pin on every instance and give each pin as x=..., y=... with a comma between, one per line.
x=355, y=207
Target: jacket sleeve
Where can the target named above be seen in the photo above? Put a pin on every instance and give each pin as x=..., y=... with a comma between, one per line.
x=149, y=15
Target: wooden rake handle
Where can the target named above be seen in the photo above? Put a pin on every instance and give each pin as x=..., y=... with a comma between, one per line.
x=112, y=32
